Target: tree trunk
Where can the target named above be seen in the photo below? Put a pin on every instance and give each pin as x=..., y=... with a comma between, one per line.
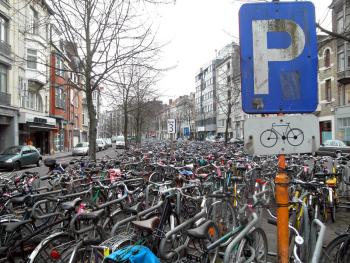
x=92, y=124
x=227, y=122
x=126, y=122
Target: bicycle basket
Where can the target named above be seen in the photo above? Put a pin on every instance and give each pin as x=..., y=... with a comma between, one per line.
x=132, y=254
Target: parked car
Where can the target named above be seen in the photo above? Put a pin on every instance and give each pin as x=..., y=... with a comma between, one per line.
x=210, y=138
x=81, y=148
x=236, y=141
x=108, y=142
x=119, y=142
x=17, y=156
x=100, y=145
x=333, y=147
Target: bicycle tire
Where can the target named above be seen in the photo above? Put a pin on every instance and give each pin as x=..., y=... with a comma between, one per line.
x=268, y=138
x=58, y=242
x=333, y=211
x=226, y=221
x=294, y=131
x=245, y=247
x=330, y=253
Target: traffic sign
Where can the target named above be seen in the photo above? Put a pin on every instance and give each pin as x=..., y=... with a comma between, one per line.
x=282, y=135
x=186, y=131
x=278, y=57
x=171, y=126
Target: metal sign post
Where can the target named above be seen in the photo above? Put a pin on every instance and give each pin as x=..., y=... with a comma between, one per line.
x=279, y=75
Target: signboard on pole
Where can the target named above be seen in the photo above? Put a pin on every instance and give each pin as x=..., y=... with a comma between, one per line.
x=187, y=131
x=282, y=135
x=171, y=126
x=278, y=57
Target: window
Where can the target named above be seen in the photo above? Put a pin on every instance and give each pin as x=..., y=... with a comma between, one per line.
x=76, y=100
x=328, y=89
x=228, y=65
x=341, y=95
x=3, y=78
x=35, y=21
x=348, y=55
x=341, y=61
x=3, y=30
x=327, y=58
x=60, y=98
x=31, y=58
x=59, y=66
x=340, y=22
x=32, y=100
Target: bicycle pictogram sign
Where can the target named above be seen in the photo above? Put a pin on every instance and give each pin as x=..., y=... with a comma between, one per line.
x=283, y=131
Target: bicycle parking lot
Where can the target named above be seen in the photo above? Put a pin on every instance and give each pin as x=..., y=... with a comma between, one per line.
x=186, y=202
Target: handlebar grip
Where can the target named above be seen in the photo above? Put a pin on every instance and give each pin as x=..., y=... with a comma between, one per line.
x=272, y=221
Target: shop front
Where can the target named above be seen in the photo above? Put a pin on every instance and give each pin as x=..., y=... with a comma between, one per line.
x=8, y=127
x=35, y=130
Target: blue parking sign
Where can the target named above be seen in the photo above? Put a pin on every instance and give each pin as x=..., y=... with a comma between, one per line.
x=278, y=57
x=187, y=131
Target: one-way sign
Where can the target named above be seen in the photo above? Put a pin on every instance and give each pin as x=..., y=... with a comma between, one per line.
x=278, y=57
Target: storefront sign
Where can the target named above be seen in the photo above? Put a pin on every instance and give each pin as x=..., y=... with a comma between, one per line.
x=39, y=120
x=34, y=118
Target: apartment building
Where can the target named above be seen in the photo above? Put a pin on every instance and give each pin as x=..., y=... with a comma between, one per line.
x=328, y=87
x=228, y=92
x=10, y=72
x=341, y=25
x=205, y=99
x=34, y=121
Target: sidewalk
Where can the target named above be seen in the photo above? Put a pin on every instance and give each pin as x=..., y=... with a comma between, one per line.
x=57, y=155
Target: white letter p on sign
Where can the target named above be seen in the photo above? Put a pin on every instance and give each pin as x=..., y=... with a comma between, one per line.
x=262, y=54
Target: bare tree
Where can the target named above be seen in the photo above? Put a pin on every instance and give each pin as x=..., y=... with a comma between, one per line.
x=108, y=34
x=228, y=87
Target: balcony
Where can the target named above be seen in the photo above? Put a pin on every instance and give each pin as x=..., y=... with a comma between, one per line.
x=5, y=99
x=344, y=77
x=5, y=49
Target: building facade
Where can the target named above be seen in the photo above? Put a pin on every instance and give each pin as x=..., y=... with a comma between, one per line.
x=228, y=91
x=341, y=25
x=328, y=87
x=205, y=98
x=11, y=50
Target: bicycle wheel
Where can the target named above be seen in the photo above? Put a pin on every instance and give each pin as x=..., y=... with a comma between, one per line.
x=223, y=215
x=268, y=138
x=51, y=248
x=332, y=252
x=83, y=254
x=333, y=210
x=253, y=248
x=295, y=137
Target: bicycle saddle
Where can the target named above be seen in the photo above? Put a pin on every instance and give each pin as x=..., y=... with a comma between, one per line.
x=132, y=209
x=11, y=227
x=95, y=215
x=19, y=199
x=237, y=179
x=148, y=224
x=203, y=231
x=70, y=205
x=202, y=176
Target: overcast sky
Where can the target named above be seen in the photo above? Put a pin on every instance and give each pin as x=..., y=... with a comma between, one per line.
x=194, y=30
